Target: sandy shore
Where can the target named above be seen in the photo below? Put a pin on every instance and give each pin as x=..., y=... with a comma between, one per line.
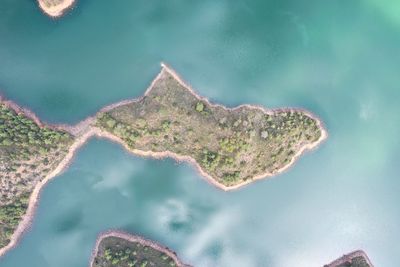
x=84, y=130
x=57, y=10
x=349, y=257
x=135, y=238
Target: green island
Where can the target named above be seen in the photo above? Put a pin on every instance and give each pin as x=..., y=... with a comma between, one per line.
x=231, y=146
x=354, y=259
x=28, y=153
x=116, y=249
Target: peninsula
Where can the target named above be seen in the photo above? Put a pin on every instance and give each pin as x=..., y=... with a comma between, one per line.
x=120, y=249
x=55, y=8
x=354, y=259
x=230, y=147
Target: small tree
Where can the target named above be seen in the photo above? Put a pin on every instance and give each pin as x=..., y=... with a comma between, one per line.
x=199, y=106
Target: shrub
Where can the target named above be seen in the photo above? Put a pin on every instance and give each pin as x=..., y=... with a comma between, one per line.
x=199, y=106
x=210, y=159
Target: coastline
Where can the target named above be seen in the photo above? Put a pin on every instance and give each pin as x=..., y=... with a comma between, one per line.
x=56, y=11
x=134, y=238
x=348, y=257
x=18, y=109
x=85, y=130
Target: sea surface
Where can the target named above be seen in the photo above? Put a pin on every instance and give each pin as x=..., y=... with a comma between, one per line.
x=339, y=59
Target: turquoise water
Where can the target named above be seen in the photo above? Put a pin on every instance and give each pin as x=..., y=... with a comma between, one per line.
x=339, y=59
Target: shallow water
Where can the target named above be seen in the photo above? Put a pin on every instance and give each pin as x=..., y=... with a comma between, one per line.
x=338, y=59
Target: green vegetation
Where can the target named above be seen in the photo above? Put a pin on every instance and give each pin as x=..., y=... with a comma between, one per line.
x=119, y=252
x=231, y=146
x=199, y=106
x=28, y=153
x=10, y=216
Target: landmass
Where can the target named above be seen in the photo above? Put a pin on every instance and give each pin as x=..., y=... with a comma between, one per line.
x=119, y=249
x=354, y=259
x=229, y=147
x=55, y=8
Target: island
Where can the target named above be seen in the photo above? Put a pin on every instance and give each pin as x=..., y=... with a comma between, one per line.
x=230, y=147
x=356, y=258
x=55, y=8
x=116, y=248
